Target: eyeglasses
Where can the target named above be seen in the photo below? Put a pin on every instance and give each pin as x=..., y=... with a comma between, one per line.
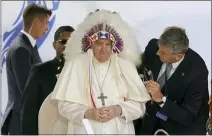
x=63, y=41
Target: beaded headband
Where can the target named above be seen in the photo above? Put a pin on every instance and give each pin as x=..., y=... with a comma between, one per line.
x=104, y=31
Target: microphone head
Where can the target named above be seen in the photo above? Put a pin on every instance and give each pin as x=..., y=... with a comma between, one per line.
x=150, y=74
x=141, y=76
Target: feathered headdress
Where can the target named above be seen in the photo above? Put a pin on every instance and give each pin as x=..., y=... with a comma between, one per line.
x=104, y=24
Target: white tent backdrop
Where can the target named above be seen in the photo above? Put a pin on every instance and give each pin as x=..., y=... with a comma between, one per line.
x=148, y=19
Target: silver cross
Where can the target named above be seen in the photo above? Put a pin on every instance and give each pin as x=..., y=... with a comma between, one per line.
x=102, y=97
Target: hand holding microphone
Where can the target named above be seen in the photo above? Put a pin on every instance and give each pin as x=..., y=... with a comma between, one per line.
x=153, y=88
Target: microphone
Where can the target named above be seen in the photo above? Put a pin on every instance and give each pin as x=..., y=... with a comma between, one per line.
x=145, y=76
x=141, y=76
x=151, y=77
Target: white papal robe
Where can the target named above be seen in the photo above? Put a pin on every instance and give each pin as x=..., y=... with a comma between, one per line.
x=122, y=87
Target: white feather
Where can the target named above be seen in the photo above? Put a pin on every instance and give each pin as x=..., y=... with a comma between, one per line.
x=131, y=49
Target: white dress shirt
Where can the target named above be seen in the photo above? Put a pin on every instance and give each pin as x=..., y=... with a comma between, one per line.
x=174, y=67
x=31, y=39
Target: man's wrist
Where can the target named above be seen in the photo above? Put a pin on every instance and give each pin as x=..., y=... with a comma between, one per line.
x=159, y=99
x=88, y=114
x=162, y=99
x=119, y=110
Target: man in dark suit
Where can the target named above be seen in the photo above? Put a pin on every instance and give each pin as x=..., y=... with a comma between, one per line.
x=41, y=82
x=180, y=88
x=21, y=56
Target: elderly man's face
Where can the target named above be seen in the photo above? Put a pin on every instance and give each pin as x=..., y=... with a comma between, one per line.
x=102, y=49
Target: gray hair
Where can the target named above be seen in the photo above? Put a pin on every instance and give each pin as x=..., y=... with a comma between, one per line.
x=175, y=39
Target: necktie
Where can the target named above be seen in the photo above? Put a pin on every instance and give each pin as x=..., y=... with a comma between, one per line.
x=163, y=78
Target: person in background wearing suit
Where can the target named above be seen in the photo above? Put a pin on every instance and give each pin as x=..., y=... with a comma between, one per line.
x=41, y=82
x=179, y=92
x=22, y=54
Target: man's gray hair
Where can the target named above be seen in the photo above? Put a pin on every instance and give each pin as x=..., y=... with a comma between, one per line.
x=175, y=39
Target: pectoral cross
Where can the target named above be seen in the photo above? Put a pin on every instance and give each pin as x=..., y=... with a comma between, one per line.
x=102, y=97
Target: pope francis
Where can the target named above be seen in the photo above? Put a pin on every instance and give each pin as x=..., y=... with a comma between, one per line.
x=99, y=90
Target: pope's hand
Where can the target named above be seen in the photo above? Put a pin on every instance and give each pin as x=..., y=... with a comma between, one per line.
x=93, y=114
x=108, y=113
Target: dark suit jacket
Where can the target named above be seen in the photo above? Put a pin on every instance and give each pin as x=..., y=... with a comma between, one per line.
x=20, y=58
x=39, y=85
x=187, y=103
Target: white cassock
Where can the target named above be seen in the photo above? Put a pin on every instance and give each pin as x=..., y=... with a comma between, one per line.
x=119, y=81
